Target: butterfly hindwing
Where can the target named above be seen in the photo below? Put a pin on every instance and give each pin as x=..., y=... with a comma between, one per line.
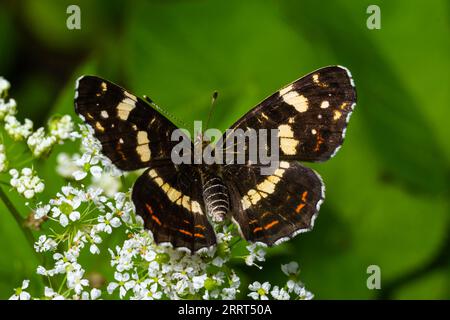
x=310, y=115
x=132, y=132
x=273, y=208
x=169, y=199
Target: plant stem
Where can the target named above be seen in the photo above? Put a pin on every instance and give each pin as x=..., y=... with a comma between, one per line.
x=20, y=221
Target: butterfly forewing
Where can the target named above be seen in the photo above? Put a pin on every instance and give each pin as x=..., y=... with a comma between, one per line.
x=310, y=115
x=132, y=133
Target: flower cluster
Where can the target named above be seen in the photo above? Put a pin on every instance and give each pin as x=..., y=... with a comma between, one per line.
x=7, y=107
x=93, y=216
x=3, y=160
x=39, y=142
x=61, y=128
x=293, y=289
x=27, y=183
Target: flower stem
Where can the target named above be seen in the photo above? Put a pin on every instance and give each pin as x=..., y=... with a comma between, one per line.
x=20, y=221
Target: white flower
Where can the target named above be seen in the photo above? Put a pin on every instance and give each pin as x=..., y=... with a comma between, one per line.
x=16, y=130
x=27, y=184
x=3, y=160
x=75, y=280
x=4, y=85
x=225, y=235
x=94, y=249
x=109, y=184
x=153, y=294
x=7, y=108
x=198, y=282
x=229, y=293
x=96, y=171
x=299, y=290
x=124, y=284
x=259, y=291
x=66, y=165
x=50, y=293
x=45, y=244
x=279, y=294
x=74, y=216
x=93, y=295
x=290, y=269
x=256, y=252
x=42, y=211
x=79, y=175
x=63, y=220
x=107, y=221
x=20, y=293
x=218, y=261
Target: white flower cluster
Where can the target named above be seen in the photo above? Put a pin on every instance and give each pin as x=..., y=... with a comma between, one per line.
x=27, y=183
x=76, y=168
x=40, y=143
x=169, y=273
x=61, y=128
x=143, y=270
x=7, y=107
x=71, y=208
x=93, y=161
x=17, y=130
x=3, y=160
x=256, y=253
x=293, y=289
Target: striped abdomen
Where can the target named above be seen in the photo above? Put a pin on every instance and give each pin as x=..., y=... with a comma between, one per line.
x=215, y=195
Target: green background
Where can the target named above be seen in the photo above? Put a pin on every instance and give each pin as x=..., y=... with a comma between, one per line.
x=388, y=188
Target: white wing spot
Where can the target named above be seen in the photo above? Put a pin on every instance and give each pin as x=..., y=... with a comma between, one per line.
x=142, y=137
x=316, y=78
x=299, y=102
x=325, y=104
x=286, y=90
x=124, y=108
x=144, y=152
x=285, y=130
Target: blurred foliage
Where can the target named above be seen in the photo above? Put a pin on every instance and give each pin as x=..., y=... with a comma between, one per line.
x=387, y=190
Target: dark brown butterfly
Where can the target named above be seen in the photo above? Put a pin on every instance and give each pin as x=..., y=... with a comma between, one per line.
x=176, y=200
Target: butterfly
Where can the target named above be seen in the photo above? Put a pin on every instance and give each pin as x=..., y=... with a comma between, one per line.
x=177, y=201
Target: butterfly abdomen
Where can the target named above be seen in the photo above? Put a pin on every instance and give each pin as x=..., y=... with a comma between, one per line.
x=215, y=195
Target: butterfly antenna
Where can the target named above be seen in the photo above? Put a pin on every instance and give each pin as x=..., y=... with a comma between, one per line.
x=213, y=103
x=166, y=113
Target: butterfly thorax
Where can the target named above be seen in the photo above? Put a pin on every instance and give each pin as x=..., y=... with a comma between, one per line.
x=215, y=196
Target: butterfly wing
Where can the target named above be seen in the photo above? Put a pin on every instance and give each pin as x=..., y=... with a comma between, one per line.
x=169, y=199
x=132, y=132
x=274, y=208
x=135, y=135
x=310, y=115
